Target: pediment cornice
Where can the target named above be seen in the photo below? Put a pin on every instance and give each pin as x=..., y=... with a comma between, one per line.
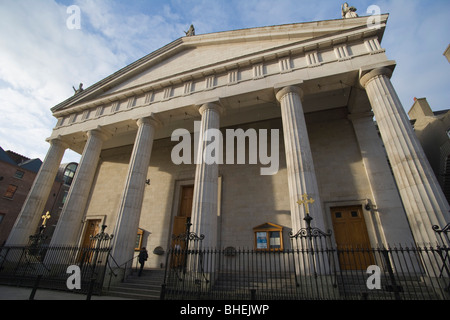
x=292, y=39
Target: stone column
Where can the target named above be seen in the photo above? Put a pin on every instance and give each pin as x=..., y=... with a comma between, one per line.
x=127, y=223
x=68, y=229
x=421, y=194
x=391, y=225
x=204, y=206
x=299, y=161
x=32, y=210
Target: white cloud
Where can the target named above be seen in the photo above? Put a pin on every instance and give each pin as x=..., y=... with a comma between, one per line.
x=40, y=60
x=416, y=37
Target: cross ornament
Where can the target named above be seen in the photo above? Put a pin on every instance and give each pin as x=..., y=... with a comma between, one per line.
x=306, y=202
x=45, y=217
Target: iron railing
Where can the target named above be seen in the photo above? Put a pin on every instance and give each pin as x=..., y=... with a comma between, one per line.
x=312, y=268
x=386, y=273
x=44, y=266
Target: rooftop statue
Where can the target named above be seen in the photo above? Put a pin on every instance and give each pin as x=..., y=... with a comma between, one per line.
x=80, y=88
x=191, y=31
x=348, y=12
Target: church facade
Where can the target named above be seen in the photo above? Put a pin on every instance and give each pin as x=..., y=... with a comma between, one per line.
x=230, y=131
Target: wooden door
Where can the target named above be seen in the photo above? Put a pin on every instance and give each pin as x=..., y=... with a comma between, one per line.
x=184, y=211
x=179, y=224
x=92, y=229
x=352, y=239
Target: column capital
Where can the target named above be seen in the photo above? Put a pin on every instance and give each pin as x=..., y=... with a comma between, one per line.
x=58, y=141
x=288, y=89
x=366, y=77
x=151, y=120
x=210, y=106
x=98, y=133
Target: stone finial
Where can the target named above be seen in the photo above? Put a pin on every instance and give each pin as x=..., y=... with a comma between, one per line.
x=348, y=12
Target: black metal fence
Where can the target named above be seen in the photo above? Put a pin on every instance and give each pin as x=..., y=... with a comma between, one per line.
x=42, y=266
x=311, y=269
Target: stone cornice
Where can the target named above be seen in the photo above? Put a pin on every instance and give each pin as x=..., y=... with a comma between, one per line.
x=326, y=38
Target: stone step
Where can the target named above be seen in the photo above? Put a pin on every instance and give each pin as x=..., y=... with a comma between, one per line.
x=144, y=287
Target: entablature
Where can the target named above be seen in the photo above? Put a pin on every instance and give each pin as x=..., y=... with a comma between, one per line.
x=303, y=61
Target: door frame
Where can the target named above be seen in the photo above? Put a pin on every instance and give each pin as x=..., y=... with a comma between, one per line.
x=102, y=219
x=85, y=255
x=369, y=217
x=178, y=186
x=358, y=260
x=178, y=216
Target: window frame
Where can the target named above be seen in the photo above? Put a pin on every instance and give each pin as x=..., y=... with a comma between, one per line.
x=7, y=192
x=19, y=174
x=139, y=238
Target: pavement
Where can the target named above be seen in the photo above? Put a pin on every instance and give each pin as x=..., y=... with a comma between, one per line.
x=21, y=293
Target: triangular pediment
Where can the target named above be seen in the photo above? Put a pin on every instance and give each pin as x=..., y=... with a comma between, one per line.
x=188, y=58
x=267, y=226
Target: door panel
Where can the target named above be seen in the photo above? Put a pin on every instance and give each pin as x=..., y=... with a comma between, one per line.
x=352, y=238
x=187, y=194
x=184, y=211
x=179, y=225
x=92, y=229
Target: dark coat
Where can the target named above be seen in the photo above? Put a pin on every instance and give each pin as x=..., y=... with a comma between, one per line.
x=143, y=255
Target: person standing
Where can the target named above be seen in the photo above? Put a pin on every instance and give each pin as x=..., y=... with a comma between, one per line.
x=143, y=256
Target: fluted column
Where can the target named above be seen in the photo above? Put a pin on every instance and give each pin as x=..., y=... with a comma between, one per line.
x=32, y=210
x=299, y=161
x=387, y=204
x=204, y=206
x=421, y=194
x=133, y=193
x=68, y=229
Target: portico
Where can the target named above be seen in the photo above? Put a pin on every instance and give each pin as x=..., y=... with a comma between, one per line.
x=317, y=83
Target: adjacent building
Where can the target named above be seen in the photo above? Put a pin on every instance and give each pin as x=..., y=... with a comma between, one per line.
x=17, y=175
x=433, y=131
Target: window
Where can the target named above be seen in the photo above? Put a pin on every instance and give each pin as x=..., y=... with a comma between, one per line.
x=139, y=236
x=9, y=194
x=1, y=217
x=269, y=237
x=66, y=192
x=19, y=174
x=69, y=173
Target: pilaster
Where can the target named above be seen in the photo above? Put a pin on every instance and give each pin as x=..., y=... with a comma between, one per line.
x=421, y=194
x=386, y=206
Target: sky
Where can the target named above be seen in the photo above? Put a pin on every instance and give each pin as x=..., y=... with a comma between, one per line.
x=44, y=51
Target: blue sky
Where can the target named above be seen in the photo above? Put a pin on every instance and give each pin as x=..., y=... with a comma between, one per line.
x=41, y=58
